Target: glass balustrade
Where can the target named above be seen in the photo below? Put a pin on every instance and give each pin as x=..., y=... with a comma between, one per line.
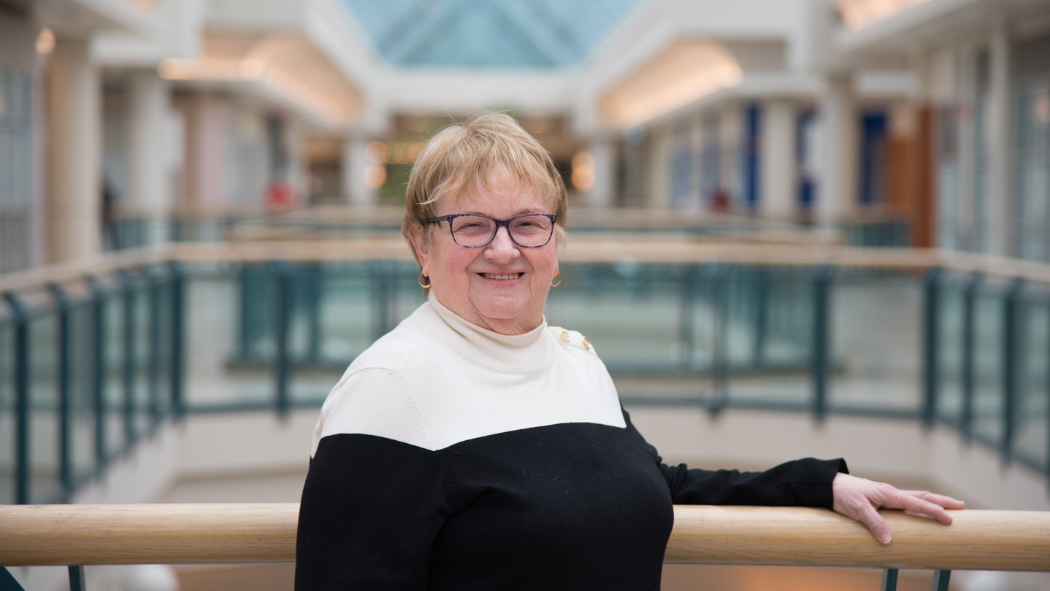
x=108, y=359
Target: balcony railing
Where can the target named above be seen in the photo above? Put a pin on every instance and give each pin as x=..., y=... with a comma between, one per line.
x=94, y=356
x=79, y=535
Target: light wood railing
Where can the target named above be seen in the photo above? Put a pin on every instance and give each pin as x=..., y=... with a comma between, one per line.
x=225, y=533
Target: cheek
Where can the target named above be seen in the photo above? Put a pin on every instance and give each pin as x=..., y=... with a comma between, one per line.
x=453, y=264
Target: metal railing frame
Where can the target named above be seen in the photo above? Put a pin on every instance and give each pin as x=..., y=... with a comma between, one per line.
x=158, y=274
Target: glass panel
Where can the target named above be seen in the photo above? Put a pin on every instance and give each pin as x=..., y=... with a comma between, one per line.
x=228, y=338
x=1032, y=413
x=1033, y=170
x=43, y=409
x=7, y=415
x=630, y=312
x=947, y=177
x=141, y=351
x=951, y=319
x=770, y=332
x=161, y=388
x=81, y=389
x=113, y=373
x=988, y=366
x=332, y=321
x=876, y=342
x=981, y=237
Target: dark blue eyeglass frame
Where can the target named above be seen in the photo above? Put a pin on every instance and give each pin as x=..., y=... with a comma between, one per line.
x=499, y=224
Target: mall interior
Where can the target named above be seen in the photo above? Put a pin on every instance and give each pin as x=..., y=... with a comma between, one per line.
x=796, y=228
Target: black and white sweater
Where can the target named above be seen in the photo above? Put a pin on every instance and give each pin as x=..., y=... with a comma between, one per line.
x=452, y=457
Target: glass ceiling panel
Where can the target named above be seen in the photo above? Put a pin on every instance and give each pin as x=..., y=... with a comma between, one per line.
x=488, y=33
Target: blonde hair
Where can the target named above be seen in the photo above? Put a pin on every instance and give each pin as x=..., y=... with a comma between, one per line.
x=461, y=158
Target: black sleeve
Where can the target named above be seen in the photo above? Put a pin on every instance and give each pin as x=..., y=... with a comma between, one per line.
x=802, y=483
x=370, y=510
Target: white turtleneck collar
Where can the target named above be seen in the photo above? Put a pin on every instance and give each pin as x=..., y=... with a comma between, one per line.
x=529, y=353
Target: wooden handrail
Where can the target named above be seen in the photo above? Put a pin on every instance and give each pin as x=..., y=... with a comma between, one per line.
x=580, y=249
x=217, y=533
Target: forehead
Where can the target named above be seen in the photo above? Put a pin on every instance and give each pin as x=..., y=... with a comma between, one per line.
x=502, y=196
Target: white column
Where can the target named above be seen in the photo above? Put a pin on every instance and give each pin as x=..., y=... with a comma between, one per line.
x=149, y=181
x=778, y=172
x=1000, y=200
x=602, y=191
x=207, y=126
x=355, y=168
x=837, y=194
x=73, y=154
x=967, y=156
x=658, y=187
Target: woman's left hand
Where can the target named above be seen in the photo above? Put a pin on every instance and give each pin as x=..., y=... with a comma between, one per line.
x=860, y=499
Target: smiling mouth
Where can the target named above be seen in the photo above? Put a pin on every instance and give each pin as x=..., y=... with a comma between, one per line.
x=495, y=276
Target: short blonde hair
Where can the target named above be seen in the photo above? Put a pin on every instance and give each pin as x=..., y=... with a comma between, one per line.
x=461, y=158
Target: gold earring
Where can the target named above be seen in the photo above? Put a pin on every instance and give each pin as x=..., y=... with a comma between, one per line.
x=558, y=282
x=421, y=276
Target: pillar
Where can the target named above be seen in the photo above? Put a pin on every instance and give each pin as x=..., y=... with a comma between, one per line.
x=965, y=214
x=207, y=124
x=148, y=175
x=1000, y=202
x=601, y=193
x=837, y=195
x=74, y=188
x=658, y=185
x=778, y=181
x=355, y=167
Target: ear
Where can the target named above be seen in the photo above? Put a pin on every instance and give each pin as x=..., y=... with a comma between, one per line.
x=415, y=233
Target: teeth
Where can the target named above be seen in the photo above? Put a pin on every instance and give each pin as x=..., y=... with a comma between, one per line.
x=494, y=276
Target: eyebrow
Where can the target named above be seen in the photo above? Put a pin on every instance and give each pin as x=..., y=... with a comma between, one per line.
x=516, y=214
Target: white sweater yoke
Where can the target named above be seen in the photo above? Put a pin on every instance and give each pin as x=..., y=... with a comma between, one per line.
x=436, y=380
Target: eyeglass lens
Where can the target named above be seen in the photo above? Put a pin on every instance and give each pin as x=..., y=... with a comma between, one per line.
x=526, y=230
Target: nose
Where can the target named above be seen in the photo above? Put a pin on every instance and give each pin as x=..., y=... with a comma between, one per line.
x=502, y=249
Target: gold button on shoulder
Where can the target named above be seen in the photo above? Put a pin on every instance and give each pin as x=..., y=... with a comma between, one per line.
x=586, y=343
x=565, y=336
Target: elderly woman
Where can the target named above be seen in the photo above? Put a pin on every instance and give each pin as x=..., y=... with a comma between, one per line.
x=475, y=447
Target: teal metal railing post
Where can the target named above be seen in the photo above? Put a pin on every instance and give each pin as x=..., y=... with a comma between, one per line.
x=98, y=362
x=686, y=325
x=889, y=580
x=153, y=364
x=821, y=339
x=758, y=351
x=940, y=580
x=21, y=386
x=65, y=440
x=718, y=275
x=8, y=582
x=177, y=333
x=314, y=294
x=127, y=296
x=931, y=326
x=968, y=350
x=382, y=274
x=1012, y=363
x=282, y=312
x=77, y=580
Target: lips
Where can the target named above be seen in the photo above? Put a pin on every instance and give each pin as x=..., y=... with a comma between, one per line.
x=501, y=276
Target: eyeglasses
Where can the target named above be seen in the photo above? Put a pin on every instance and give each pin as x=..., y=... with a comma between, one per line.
x=471, y=230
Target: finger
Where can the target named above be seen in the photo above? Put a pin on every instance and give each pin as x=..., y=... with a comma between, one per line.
x=875, y=523
x=919, y=506
x=942, y=500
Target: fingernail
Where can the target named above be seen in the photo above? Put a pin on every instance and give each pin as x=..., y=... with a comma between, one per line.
x=885, y=538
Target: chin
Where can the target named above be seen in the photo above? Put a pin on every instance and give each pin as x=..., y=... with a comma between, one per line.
x=503, y=308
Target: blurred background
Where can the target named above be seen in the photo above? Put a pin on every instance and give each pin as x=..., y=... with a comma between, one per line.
x=797, y=227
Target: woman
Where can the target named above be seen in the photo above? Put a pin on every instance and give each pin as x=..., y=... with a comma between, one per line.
x=474, y=447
